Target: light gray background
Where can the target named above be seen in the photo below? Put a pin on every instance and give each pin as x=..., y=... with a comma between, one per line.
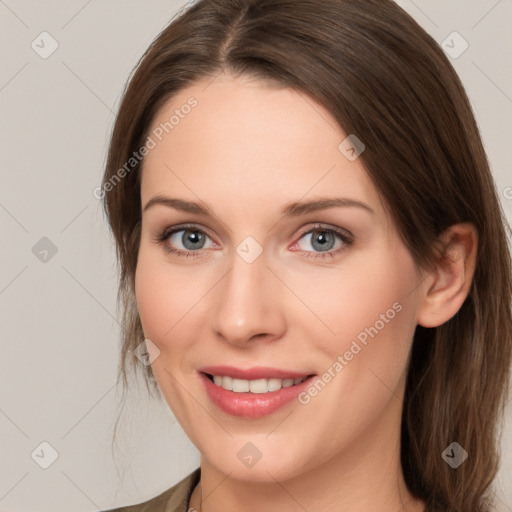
x=59, y=329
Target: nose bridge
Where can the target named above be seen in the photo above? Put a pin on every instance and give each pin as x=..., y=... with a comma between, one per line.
x=245, y=303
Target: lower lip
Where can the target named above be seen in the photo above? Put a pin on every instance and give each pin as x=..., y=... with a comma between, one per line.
x=252, y=405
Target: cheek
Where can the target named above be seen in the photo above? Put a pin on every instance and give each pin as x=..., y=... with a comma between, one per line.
x=160, y=296
x=150, y=294
x=378, y=331
x=370, y=309
x=169, y=300
x=368, y=298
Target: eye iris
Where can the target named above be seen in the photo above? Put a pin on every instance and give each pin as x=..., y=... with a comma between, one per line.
x=325, y=238
x=194, y=237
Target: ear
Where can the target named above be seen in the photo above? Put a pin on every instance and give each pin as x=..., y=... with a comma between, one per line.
x=447, y=286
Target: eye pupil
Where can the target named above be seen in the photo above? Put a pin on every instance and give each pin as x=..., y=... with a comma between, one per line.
x=194, y=237
x=325, y=238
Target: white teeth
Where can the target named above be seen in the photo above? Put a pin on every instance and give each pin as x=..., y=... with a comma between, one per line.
x=258, y=386
x=240, y=386
x=274, y=384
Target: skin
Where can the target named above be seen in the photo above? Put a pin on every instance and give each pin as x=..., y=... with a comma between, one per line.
x=244, y=146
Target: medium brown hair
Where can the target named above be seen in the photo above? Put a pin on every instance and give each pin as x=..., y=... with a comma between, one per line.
x=384, y=79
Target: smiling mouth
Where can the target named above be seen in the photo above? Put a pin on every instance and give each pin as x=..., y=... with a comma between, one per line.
x=256, y=386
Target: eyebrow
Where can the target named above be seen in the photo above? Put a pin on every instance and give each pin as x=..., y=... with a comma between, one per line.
x=291, y=209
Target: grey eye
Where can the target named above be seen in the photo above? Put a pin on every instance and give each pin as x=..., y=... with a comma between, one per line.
x=191, y=239
x=320, y=239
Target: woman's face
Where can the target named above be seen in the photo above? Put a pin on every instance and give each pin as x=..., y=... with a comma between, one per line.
x=271, y=284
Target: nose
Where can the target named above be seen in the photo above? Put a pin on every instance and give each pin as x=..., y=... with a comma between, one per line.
x=247, y=303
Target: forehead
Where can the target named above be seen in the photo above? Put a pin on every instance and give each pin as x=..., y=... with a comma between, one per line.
x=245, y=139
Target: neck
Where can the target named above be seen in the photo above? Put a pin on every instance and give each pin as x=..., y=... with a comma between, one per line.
x=365, y=476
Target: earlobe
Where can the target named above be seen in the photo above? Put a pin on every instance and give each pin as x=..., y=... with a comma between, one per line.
x=447, y=287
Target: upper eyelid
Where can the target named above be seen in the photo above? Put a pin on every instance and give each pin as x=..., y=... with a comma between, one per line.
x=187, y=227
x=319, y=226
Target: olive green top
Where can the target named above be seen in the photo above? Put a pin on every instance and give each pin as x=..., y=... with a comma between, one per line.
x=175, y=499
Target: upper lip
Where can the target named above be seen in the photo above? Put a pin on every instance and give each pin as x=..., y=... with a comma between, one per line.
x=260, y=372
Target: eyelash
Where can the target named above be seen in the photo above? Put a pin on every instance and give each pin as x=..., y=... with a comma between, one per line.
x=162, y=237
